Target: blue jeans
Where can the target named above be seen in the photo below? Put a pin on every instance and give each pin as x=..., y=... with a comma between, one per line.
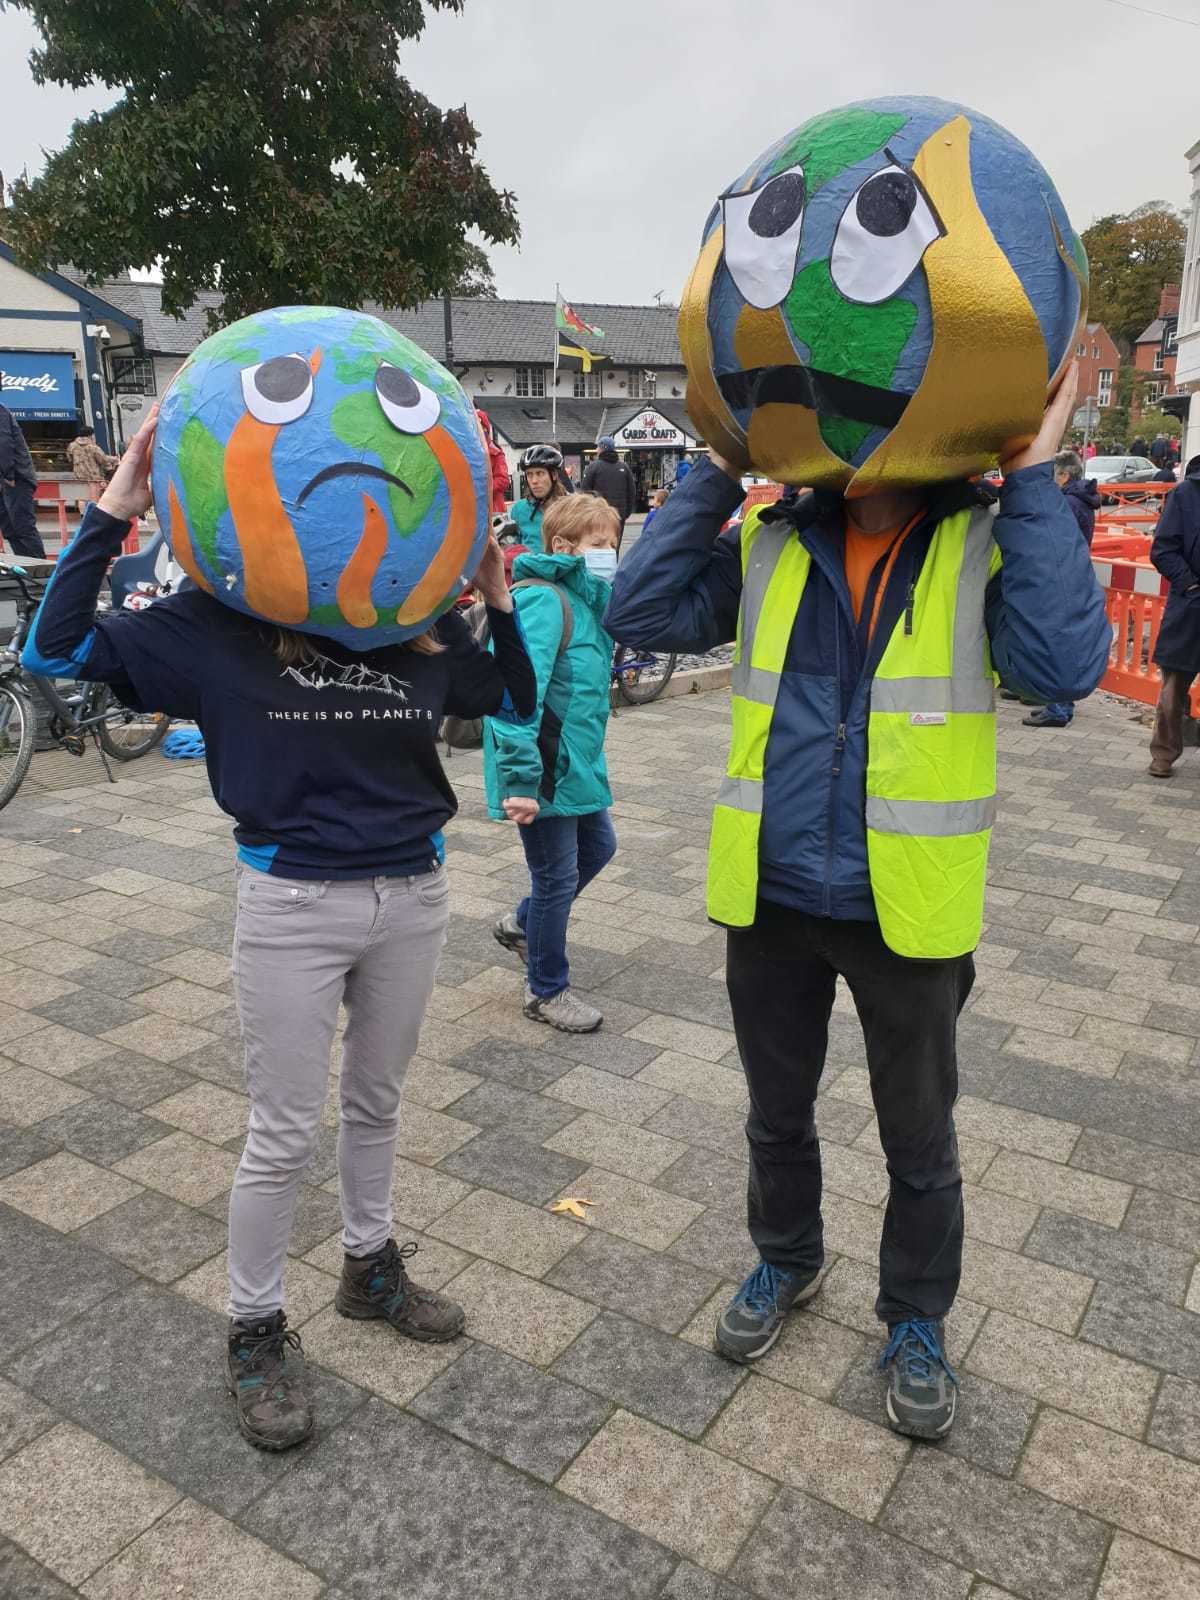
x=564, y=855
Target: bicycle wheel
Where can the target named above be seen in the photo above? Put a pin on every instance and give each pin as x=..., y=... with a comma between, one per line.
x=17, y=729
x=125, y=735
x=641, y=676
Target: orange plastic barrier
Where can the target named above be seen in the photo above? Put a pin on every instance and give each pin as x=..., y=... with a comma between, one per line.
x=762, y=494
x=1135, y=599
x=51, y=494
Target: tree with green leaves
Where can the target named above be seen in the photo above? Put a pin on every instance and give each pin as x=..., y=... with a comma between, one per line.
x=266, y=149
x=1130, y=258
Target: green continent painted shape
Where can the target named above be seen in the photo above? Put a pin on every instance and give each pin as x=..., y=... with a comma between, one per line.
x=358, y=422
x=861, y=342
x=202, y=472
x=835, y=140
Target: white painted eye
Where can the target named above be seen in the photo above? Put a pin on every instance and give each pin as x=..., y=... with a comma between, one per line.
x=407, y=404
x=885, y=229
x=279, y=390
x=762, y=237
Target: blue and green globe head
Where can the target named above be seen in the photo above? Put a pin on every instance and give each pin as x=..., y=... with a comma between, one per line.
x=884, y=299
x=314, y=469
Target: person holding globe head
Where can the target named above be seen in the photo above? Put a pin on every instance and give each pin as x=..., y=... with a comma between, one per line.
x=324, y=484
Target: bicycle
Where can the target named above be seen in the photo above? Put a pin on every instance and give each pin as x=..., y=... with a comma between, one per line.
x=86, y=710
x=639, y=676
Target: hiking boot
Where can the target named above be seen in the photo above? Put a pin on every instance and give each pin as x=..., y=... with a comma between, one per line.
x=563, y=1011
x=265, y=1375
x=378, y=1286
x=922, y=1389
x=1044, y=719
x=753, y=1319
x=509, y=932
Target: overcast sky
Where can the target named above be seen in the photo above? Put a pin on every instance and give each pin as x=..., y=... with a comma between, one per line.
x=617, y=124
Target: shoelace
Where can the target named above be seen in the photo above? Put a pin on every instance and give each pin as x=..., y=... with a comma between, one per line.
x=920, y=1352
x=760, y=1292
x=264, y=1359
x=390, y=1275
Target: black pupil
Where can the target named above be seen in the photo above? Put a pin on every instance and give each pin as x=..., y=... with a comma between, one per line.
x=886, y=203
x=397, y=387
x=778, y=205
x=283, y=378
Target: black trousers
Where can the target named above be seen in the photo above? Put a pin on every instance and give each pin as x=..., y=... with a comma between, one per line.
x=781, y=975
x=18, y=519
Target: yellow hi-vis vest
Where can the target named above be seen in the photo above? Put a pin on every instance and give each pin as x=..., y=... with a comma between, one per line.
x=931, y=759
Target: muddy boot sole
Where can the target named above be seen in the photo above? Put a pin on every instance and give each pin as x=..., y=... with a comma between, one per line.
x=360, y=1313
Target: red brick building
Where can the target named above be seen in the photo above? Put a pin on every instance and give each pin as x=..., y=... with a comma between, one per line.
x=1099, y=360
x=1156, y=351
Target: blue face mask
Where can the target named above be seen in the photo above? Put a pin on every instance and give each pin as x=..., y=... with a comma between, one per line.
x=601, y=564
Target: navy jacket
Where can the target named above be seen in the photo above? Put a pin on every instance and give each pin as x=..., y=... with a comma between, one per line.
x=15, y=460
x=1084, y=500
x=1176, y=554
x=678, y=589
x=329, y=766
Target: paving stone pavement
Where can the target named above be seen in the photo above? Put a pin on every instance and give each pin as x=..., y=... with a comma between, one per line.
x=583, y=1440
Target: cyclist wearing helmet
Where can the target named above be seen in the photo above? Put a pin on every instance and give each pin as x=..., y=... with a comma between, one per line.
x=542, y=465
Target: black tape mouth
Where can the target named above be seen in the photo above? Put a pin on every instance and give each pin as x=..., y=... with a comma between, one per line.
x=823, y=392
x=350, y=469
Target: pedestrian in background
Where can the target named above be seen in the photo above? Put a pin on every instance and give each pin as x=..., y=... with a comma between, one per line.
x=542, y=467
x=89, y=463
x=549, y=774
x=1160, y=449
x=1176, y=554
x=501, y=476
x=18, y=481
x=1084, y=500
x=609, y=477
x=1138, y=447
x=657, y=501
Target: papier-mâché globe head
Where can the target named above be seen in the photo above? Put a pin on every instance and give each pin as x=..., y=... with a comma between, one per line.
x=883, y=299
x=315, y=469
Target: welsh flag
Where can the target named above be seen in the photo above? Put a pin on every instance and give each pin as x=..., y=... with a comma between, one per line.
x=568, y=320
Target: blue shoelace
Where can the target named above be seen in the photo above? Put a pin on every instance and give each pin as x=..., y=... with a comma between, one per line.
x=760, y=1292
x=917, y=1345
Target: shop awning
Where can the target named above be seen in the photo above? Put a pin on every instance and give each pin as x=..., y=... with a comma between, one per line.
x=38, y=386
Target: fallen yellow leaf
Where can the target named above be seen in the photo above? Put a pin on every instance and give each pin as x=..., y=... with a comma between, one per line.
x=572, y=1206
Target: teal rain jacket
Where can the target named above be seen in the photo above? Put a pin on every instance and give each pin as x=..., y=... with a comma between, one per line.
x=557, y=758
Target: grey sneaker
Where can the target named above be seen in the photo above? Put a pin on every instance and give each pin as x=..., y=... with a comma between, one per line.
x=378, y=1286
x=753, y=1319
x=563, y=1011
x=264, y=1372
x=509, y=932
x=922, y=1389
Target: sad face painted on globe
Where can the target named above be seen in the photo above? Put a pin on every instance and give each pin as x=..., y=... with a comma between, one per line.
x=883, y=299
x=315, y=469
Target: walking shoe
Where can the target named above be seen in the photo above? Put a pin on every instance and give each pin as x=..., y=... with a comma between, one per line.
x=1157, y=770
x=509, y=932
x=563, y=1011
x=378, y=1286
x=265, y=1375
x=922, y=1389
x=753, y=1319
x=1043, y=719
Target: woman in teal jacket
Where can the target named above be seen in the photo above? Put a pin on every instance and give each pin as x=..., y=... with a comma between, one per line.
x=545, y=482
x=548, y=774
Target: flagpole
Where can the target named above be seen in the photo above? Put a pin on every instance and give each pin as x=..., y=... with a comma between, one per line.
x=554, y=390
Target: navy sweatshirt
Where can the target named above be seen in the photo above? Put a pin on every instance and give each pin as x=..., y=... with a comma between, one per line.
x=330, y=767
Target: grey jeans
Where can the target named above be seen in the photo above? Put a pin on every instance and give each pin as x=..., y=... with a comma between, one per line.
x=299, y=950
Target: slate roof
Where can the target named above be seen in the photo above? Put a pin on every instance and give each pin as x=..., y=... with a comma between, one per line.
x=580, y=422
x=162, y=335
x=506, y=331
x=1153, y=334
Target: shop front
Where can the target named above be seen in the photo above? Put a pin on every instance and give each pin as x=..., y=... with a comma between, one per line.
x=41, y=390
x=653, y=444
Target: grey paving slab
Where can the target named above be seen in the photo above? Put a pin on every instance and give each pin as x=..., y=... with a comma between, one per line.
x=1164, y=1219
x=371, y=1511
x=651, y=1373
x=22, y=1418
x=518, y=1111
x=1135, y=1161
x=1175, y=1425
x=1136, y=1265
x=512, y=1410
x=100, y=1130
x=637, y=1282
x=510, y=1064
x=155, y=1236
x=514, y=1166
x=130, y=1079
x=144, y=1372
x=46, y=1279
x=22, y=1578
x=90, y=1011
x=21, y=1147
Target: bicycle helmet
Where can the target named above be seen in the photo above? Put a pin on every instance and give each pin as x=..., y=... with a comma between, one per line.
x=542, y=455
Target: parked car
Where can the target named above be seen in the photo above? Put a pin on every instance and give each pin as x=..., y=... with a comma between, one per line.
x=1118, y=470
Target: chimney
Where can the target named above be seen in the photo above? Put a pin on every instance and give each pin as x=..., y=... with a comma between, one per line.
x=1168, y=301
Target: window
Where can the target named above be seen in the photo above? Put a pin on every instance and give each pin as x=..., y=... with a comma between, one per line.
x=1078, y=349
x=530, y=383
x=642, y=385
x=1095, y=352
x=588, y=385
x=133, y=375
x=1158, y=359
x=1104, y=386
x=1152, y=394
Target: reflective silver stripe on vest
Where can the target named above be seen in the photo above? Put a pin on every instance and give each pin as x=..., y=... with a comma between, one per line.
x=754, y=683
x=970, y=630
x=930, y=819
x=933, y=694
x=741, y=794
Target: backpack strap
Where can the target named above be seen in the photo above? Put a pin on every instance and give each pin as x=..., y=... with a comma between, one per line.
x=568, y=616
